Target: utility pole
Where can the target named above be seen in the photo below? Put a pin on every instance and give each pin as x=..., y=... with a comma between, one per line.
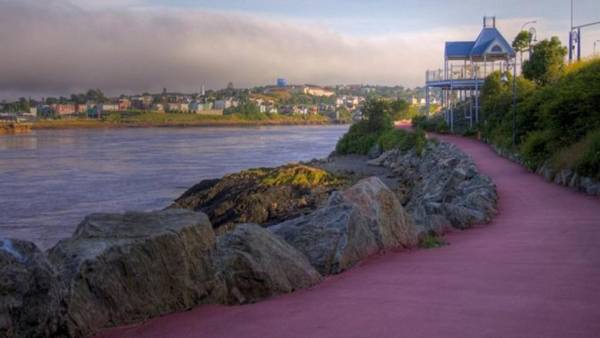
x=575, y=35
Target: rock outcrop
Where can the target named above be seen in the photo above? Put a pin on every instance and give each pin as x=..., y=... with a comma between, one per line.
x=257, y=264
x=263, y=196
x=353, y=225
x=392, y=225
x=445, y=188
x=30, y=294
x=123, y=268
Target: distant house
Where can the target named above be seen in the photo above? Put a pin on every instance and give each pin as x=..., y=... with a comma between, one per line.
x=142, y=102
x=225, y=104
x=318, y=91
x=62, y=109
x=33, y=111
x=196, y=106
x=178, y=107
x=103, y=108
x=81, y=108
x=158, y=107
x=124, y=104
x=109, y=107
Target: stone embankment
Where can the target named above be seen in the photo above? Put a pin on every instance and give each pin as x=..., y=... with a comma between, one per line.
x=565, y=177
x=119, y=269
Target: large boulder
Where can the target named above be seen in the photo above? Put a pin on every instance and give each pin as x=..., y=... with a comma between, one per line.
x=123, y=268
x=257, y=264
x=354, y=224
x=263, y=196
x=390, y=222
x=334, y=237
x=30, y=294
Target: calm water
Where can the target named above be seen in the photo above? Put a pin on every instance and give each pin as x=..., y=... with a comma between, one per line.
x=49, y=180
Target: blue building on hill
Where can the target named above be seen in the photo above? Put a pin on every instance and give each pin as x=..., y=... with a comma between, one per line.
x=466, y=65
x=282, y=83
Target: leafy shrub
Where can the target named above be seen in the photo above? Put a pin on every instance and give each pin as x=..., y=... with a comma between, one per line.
x=391, y=139
x=589, y=163
x=364, y=134
x=403, y=140
x=536, y=148
x=357, y=140
x=420, y=121
x=435, y=123
x=469, y=132
x=555, y=120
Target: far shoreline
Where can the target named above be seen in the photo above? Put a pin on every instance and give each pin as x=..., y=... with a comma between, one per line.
x=91, y=124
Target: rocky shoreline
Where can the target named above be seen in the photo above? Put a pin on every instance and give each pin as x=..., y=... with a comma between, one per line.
x=238, y=239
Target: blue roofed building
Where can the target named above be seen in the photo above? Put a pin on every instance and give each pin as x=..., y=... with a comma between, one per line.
x=466, y=65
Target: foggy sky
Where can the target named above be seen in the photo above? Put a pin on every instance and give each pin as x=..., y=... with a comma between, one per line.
x=55, y=47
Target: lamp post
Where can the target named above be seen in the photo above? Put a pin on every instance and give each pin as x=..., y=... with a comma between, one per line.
x=532, y=32
x=595, y=42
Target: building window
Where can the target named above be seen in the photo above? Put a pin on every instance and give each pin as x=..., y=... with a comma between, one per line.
x=496, y=49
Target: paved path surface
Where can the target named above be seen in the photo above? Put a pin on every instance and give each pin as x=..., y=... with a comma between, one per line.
x=533, y=272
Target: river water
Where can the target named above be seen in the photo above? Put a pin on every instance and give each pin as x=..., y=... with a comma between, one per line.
x=51, y=179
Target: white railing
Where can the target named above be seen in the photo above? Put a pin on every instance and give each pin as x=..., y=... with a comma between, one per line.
x=456, y=72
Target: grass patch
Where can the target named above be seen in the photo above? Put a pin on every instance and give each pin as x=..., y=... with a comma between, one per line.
x=432, y=241
x=154, y=119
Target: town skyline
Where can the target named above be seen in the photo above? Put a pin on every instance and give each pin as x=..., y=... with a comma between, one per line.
x=138, y=45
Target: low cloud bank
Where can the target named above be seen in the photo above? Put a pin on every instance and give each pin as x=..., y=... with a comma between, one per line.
x=56, y=47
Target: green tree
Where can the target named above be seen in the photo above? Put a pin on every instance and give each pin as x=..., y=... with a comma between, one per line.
x=95, y=95
x=522, y=41
x=547, y=62
x=377, y=115
x=399, y=109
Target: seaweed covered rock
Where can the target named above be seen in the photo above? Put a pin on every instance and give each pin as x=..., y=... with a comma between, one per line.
x=30, y=293
x=263, y=196
x=123, y=268
x=257, y=264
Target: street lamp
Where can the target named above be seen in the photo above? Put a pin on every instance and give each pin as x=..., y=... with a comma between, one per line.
x=528, y=23
x=532, y=36
x=595, y=47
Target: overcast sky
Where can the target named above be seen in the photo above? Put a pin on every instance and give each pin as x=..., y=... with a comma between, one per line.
x=56, y=47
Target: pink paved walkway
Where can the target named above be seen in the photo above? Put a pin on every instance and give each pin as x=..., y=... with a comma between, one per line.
x=533, y=272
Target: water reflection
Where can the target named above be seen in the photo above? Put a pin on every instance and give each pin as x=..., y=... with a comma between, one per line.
x=50, y=179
